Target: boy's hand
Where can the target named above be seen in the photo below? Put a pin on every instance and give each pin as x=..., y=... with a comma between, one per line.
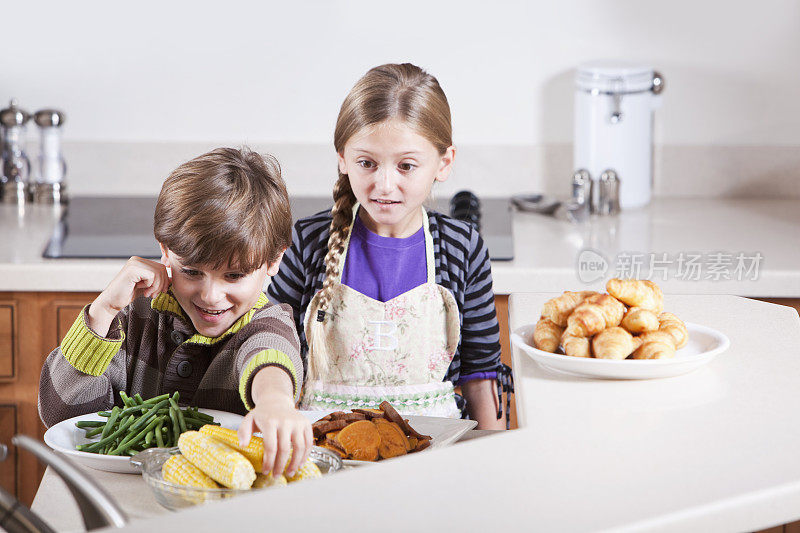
x=284, y=429
x=285, y=432
x=139, y=277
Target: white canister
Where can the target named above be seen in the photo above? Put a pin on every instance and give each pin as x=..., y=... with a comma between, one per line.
x=614, y=104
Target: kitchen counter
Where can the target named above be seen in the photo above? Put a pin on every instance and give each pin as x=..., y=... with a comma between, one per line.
x=713, y=450
x=687, y=245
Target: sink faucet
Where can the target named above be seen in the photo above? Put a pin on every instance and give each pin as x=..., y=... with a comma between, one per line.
x=97, y=508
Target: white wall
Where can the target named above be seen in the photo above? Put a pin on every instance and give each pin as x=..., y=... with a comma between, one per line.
x=276, y=72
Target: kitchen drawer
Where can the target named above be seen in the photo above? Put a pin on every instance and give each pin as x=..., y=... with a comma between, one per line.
x=9, y=339
x=8, y=428
x=66, y=313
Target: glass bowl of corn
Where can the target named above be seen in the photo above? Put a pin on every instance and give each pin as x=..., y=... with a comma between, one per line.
x=176, y=496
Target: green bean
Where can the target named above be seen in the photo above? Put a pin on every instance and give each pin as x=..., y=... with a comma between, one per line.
x=105, y=414
x=149, y=437
x=201, y=416
x=167, y=429
x=176, y=396
x=112, y=420
x=126, y=399
x=199, y=423
x=156, y=399
x=95, y=431
x=159, y=436
x=93, y=447
x=132, y=440
x=138, y=399
x=89, y=423
x=150, y=414
x=176, y=427
x=179, y=413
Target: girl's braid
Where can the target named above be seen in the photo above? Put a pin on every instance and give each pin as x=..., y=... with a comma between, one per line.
x=342, y=213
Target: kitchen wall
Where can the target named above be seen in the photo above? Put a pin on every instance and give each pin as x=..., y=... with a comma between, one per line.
x=150, y=84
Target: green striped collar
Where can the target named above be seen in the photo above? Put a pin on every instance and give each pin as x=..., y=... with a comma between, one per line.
x=166, y=303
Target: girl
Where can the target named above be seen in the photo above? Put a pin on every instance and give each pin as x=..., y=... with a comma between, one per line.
x=392, y=302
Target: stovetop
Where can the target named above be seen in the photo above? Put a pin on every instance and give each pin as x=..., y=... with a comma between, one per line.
x=116, y=227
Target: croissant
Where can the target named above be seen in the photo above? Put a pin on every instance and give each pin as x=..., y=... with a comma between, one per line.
x=559, y=308
x=675, y=327
x=614, y=343
x=640, y=320
x=576, y=346
x=637, y=293
x=595, y=314
x=547, y=335
x=655, y=345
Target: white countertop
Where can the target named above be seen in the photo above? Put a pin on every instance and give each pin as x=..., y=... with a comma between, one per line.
x=713, y=450
x=546, y=250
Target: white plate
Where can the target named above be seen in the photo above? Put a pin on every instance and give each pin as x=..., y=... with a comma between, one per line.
x=64, y=436
x=443, y=431
x=703, y=345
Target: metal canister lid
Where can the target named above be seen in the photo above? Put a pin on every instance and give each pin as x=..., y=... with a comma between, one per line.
x=614, y=77
x=47, y=118
x=13, y=115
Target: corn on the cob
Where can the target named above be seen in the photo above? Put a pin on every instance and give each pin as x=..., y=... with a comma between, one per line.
x=254, y=451
x=263, y=481
x=307, y=471
x=180, y=471
x=220, y=462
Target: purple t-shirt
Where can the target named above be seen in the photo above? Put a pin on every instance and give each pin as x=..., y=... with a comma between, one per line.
x=384, y=267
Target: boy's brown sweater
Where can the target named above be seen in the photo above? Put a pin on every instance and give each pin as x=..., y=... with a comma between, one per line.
x=152, y=348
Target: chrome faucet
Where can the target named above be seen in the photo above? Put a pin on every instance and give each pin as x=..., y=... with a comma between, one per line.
x=97, y=508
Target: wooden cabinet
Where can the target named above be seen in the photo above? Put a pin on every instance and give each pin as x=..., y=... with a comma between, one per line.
x=501, y=304
x=9, y=339
x=31, y=325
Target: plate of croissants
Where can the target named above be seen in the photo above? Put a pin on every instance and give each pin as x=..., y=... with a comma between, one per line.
x=624, y=334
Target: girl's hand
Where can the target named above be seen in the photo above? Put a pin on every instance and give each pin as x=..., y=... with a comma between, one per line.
x=139, y=277
x=285, y=432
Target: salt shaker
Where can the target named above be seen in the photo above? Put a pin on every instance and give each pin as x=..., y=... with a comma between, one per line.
x=609, y=193
x=49, y=186
x=15, y=164
x=581, y=186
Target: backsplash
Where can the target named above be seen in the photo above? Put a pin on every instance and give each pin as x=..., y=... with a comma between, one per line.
x=136, y=169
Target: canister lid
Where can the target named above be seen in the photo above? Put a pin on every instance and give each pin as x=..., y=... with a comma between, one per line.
x=13, y=116
x=614, y=77
x=46, y=118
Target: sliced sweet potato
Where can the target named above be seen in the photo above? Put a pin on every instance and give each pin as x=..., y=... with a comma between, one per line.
x=361, y=440
x=370, y=413
x=422, y=444
x=393, y=441
x=393, y=416
x=334, y=449
x=324, y=427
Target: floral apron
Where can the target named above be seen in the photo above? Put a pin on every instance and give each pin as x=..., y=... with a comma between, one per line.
x=397, y=350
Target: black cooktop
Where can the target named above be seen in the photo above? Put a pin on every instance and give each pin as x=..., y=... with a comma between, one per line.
x=117, y=227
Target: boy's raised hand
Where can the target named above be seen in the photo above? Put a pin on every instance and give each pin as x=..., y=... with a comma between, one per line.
x=284, y=429
x=139, y=277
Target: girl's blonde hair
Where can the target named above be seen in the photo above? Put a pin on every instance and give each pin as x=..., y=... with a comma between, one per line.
x=392, y=91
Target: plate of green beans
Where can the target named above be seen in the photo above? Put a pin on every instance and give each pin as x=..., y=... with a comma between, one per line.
x=106, y=440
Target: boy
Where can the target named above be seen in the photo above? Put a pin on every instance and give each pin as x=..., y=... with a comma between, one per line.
x=198, y=321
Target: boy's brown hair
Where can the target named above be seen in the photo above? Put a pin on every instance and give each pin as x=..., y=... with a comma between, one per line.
x=227, y=208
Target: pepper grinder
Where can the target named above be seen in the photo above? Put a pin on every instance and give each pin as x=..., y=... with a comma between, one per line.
x=49, y=187
x=15, y=164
